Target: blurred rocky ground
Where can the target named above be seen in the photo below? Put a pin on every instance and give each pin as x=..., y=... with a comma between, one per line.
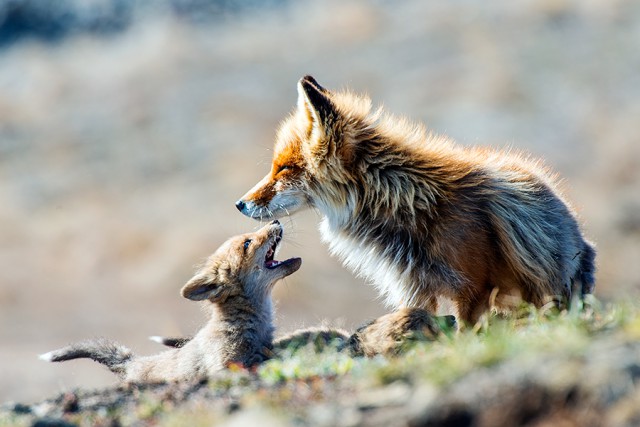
x=129, y=128
x=52, y=22
x=511, y=374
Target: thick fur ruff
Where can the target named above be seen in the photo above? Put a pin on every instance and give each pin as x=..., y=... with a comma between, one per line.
x=420, y=217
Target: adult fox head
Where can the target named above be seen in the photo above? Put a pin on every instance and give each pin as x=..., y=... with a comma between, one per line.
x=313, y=148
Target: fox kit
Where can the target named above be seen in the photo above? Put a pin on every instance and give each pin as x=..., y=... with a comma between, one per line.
x=235, y=284
x=419, y=216
x=320, y=336
x=388, y=335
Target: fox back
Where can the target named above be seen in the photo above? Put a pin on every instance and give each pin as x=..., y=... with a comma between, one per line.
x=419, y=216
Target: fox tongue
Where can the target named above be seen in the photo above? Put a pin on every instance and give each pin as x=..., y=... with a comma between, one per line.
x=272, y=263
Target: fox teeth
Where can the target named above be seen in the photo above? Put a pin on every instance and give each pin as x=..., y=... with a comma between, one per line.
x=272, y=264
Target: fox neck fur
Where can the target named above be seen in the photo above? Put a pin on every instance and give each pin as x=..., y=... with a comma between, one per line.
x=420, y=216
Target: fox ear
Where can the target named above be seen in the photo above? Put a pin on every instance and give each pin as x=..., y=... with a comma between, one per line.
x=313, y=100
x=202, y=287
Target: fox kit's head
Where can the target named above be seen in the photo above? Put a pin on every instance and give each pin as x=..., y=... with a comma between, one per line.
x=313, y=146
x=243, y=266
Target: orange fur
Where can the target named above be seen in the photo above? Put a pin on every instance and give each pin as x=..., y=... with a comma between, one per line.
x=419, y=216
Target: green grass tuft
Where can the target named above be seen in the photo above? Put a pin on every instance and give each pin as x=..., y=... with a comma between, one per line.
x=304, y=363
x=549, y=348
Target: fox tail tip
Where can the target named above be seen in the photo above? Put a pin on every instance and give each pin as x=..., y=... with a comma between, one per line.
x=47, y=357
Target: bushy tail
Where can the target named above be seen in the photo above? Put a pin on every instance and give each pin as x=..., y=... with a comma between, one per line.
x=109, y=353
x=587, y=269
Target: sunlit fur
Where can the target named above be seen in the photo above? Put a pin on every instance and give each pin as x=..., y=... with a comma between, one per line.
x=394, y=332
x=235, y=287
x=387, y=335
x=421, y=217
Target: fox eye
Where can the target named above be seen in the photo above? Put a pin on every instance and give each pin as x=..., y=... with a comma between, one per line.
x=246, y=244
x=284, y=168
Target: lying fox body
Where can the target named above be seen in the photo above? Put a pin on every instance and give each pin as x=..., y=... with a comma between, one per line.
x=387, y=335
x=420, y=217
x=235, y=285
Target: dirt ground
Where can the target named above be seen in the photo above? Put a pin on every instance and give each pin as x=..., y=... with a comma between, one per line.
x=530, y=389
x=121, y=156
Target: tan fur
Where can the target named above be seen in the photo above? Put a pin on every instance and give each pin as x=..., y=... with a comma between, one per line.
x=387, y=335
x=390, y=334
x=320, y=338
x=419, y=216
x=235, y=284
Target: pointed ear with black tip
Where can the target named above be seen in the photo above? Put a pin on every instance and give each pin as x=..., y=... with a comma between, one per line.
x=314, y=100
x=309, y=79
x=202, y=287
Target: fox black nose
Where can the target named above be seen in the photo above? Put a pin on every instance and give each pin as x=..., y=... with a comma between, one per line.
x=240, y=205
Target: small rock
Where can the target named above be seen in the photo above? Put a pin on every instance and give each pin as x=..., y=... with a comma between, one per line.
x=254, y=417
x=421, y=398
x=22, y=409
x=396, y=393
x=52, y=422
x=70, y=403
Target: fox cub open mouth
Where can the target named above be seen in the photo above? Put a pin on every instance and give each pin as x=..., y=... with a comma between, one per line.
x=270, y=262
x=236, y=281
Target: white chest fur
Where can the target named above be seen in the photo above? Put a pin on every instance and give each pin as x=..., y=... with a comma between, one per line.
x=366, y=261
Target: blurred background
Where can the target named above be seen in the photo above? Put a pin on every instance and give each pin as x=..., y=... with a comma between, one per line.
x=128, y=129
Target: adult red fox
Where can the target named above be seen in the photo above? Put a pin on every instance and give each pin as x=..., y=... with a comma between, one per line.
x=419, y=216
